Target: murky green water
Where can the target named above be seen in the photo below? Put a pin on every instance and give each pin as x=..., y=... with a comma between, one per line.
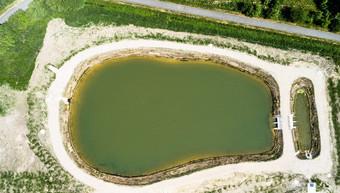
x=302, y=121
x=136, y=116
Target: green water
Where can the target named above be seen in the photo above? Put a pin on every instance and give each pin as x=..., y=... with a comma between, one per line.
x=302, y=122
x=135, y=116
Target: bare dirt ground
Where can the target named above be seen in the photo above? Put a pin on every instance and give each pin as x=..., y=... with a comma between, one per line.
x=15, y=154
x=68, y=40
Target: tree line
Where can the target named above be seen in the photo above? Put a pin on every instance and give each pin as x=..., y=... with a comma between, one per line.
x=324, y=16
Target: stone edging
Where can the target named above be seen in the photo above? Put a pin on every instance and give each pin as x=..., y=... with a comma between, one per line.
x=306, y=85
x=188, y=167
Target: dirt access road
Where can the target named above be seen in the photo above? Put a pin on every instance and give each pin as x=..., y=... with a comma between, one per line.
x=284, y=75
x=237, y=19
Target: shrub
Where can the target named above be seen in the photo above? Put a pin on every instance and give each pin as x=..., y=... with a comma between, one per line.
x=253, y=10
x=299, y=16
x=274, y=9
x=335, y=23
x=326, y=20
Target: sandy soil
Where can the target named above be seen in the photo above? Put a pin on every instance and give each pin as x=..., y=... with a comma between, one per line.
x=250, y=182
x=15, y=154
x=62, y=40
x=284, y=75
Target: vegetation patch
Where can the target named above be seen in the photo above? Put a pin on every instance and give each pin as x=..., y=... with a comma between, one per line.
x=4, y=5
x=22, y=36
x=7, y=99
x=334, y=96
x=316, y=14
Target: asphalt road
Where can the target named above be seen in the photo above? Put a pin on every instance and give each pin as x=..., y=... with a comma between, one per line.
x=237, y=19
x=23, y=5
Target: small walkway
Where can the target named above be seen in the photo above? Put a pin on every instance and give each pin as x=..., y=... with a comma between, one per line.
x=53, y=69
x=291, y=122
x=278, y=122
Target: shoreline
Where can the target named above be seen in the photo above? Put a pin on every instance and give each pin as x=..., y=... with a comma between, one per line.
x=189, y=167
x=284, y=75
x=307, y=86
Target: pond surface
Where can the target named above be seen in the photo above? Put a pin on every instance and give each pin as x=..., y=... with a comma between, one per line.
x=301, y=110
x=136, y=116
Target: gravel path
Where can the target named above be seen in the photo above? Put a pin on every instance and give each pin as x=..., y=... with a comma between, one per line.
x=284, y=75
x=237, y=19
x=23, y=5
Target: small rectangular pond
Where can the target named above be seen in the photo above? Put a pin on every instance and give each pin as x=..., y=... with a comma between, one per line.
x=301, y=110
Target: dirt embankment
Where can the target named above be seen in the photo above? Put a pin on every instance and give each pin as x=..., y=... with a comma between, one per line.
x=273, y=153
x=307, y=86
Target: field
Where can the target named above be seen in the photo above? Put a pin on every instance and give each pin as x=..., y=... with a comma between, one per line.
x=22, y=39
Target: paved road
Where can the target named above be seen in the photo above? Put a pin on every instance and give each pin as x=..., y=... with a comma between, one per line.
x=237, y=19
x=23, y=5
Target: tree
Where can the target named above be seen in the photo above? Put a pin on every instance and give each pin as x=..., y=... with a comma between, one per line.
x=318, y=17
x=274, y=9
x=323, y=5
x=326, y=20
x=266, y=2
x=19, y=20
x=254, y=10
x=335, y=23
x=299, y=16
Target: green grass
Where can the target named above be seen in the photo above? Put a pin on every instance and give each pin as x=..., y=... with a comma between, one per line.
x=22, y=36
x=4, y=4
x=301, y=4
x=107, y=13
x=20, y=42
x=334, y=95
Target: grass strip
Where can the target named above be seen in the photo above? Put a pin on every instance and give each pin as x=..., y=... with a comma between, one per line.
x=22, y=36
